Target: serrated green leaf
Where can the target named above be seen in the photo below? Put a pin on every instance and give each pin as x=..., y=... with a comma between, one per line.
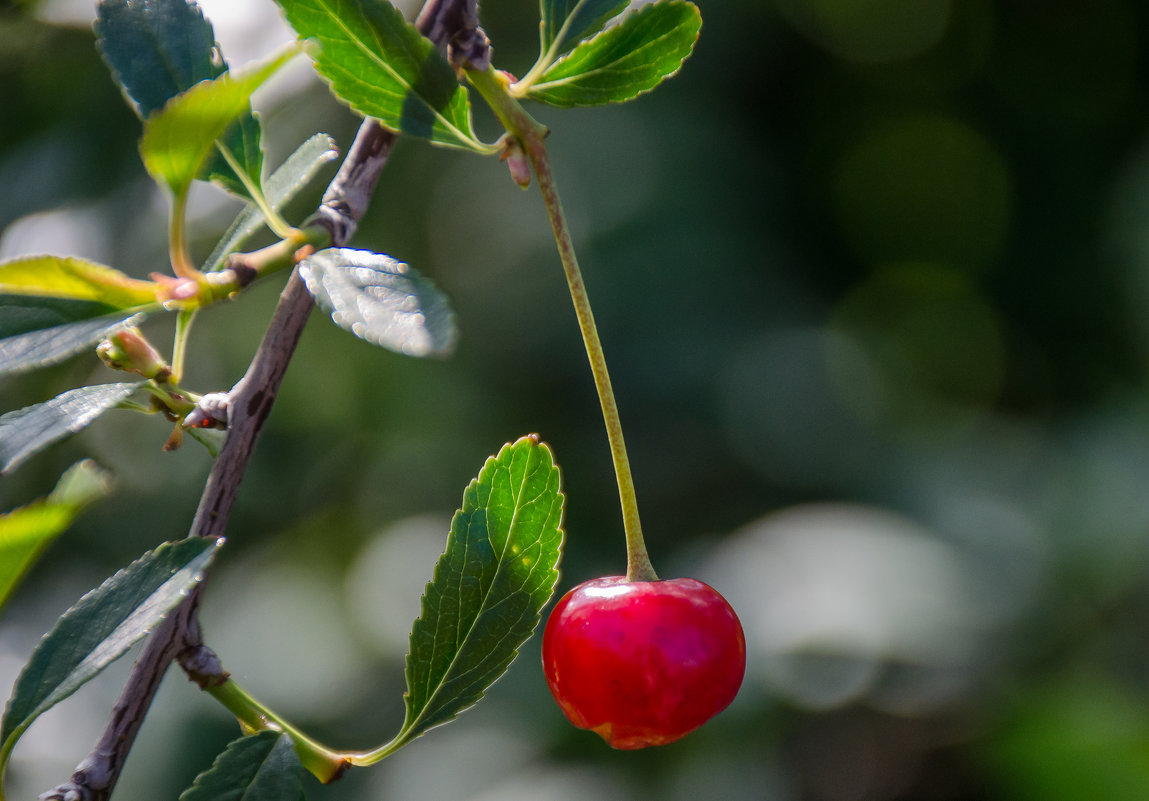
x=32, y=429
x=489, y=586
x=566, y=22
x=259, y=767
x=71, y=278
x=623, y=61
x=158, y=49
x=283, y=185
x=47, y=346
x=381, y=300
x=27, y=531
x=179, y=137
x=100, y=628
x=380, y=65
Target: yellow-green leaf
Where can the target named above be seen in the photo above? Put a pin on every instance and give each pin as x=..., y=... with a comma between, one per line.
x=75, y=279
x=27, y=531
x=180, y=136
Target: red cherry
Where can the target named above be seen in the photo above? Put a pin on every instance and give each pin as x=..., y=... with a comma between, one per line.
x=643, y=662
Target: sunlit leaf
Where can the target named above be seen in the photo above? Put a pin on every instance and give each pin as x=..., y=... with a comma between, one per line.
x=43, y=347
x=381, y=300
x=71, y=278
x=566, y=22
x=259, y=767
x=380, y=65
x=27, y=531
x=100, y=628
x=489, y=586
x=180, y=136
x=283, y=185
x=158, y=49
x=625, y=60
x=31, y=429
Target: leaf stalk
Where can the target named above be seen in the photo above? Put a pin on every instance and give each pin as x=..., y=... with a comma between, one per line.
x=324, y=763
x=182, y=265
x=495, y=89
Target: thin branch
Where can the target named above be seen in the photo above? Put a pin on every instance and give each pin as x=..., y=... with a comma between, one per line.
x=448, y=23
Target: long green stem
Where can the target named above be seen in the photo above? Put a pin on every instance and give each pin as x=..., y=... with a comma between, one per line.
x=530, y=134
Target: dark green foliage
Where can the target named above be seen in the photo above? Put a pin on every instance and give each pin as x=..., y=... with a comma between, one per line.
x=158, y=49
x=100, y=628
x=566, y=22
x=44, y=345
x=26, y=431
x=260, y=767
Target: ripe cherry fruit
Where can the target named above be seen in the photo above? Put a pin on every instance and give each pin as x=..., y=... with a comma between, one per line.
x=643, y=662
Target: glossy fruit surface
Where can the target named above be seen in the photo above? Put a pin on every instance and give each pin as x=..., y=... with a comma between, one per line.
x=643, y=662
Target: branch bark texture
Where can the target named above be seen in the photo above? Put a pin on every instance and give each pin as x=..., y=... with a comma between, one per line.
x=449, y=23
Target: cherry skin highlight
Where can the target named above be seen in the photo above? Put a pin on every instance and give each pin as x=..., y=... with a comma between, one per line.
x=643, y=663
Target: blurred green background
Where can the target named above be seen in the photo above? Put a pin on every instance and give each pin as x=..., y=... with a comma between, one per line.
x=872, y=279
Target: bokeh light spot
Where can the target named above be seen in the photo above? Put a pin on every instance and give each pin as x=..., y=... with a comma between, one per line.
x=870, y=31
x=923, y=188
x=937, y=344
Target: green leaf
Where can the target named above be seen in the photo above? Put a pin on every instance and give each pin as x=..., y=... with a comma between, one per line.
x=27, y=531
x=179, y=137
x=70, y=278
x=158, y=49
x=381, y=300
x=47, y=346
x=32, y=429
x=259, y=767
x=100, y=628
x=566, y=22
x=489, y=587
x=211, y=438
x=623, y=61
x=380, y=65
x=283, y=185
x=21, y=314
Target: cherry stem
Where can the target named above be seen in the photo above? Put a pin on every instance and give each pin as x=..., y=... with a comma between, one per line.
x=530, y=134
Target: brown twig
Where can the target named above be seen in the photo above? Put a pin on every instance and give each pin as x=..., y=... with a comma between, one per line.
x=449, y=23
